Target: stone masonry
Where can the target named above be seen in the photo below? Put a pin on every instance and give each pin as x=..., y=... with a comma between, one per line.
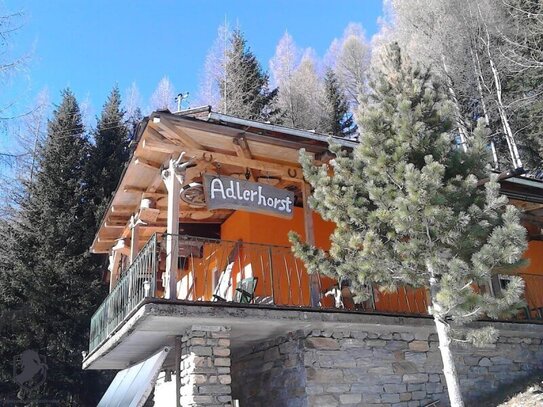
x=205, y=367
x=271, y=373
x=387, y=367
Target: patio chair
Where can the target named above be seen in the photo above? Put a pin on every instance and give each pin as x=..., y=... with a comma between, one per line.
x=245, y=290
x=221, y=292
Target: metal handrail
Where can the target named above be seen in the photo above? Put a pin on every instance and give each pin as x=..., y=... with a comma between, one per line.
x=137, y=283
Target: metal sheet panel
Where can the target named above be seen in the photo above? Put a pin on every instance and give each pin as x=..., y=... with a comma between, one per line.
x=132, y=386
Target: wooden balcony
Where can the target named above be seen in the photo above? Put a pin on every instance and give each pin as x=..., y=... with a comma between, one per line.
x=226, y=272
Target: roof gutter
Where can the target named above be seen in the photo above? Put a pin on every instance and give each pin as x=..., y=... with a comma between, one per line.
x=281, y=129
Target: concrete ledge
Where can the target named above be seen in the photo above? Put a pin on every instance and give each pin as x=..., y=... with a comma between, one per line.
x=157, y=322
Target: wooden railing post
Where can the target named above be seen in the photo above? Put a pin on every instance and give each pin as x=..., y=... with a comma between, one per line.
x=314, y=279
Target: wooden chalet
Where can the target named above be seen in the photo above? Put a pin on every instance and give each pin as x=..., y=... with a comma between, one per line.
x=197, y=231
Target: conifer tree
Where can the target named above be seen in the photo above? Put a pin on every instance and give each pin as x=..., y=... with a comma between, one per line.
x=244, y=89
x=409, y=211
x=50, y=287
x=109, y=153
x=338, y=120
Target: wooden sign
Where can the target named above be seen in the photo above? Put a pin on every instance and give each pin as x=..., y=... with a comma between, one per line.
x=223, y=192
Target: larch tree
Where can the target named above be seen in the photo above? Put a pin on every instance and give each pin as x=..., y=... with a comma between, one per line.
x=409, y=210
x=214, y=69
x=337, y=119
x=51, y=285
x=163, y=98
x=352, y=63
x=301, y=96
x=244, y=89
x=132, y=107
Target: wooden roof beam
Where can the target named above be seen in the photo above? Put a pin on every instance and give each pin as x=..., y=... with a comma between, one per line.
x=173, y=132
x=147, y=163
x=243, y=151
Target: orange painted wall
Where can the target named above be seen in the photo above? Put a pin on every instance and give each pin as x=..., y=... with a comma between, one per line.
x=289, y=284
x=533, y=275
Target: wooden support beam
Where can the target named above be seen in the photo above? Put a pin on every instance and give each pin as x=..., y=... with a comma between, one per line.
x=314, y=279
x=172, y=132
x=134, y=190
x=160, y=147
x=173, y=185
x=286, y=172
x=118, y=209
x=243, y=151
x=147, y=163
x=134, y=241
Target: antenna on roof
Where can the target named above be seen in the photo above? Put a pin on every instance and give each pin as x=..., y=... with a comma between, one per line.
x=179, y=99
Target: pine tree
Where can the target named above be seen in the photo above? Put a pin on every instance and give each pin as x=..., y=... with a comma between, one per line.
x=338, y=120
x=244, y=88
x=408, y=209
x=109, y=154
x=51, y=284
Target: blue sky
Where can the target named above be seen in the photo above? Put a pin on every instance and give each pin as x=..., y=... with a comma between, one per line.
x=92, y=45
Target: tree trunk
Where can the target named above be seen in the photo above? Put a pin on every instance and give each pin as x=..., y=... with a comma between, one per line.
x=449, y=369
x=444, y=336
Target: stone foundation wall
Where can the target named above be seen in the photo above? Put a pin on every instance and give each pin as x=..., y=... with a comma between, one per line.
x=394, y=366
x=270, y=374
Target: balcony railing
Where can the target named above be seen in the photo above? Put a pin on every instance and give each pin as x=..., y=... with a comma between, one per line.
x=235, y=271
x=136, y=283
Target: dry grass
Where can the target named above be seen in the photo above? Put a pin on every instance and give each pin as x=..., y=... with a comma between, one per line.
x=531, y=397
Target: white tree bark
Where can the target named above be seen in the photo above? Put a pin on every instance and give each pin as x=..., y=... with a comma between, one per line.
x=444, y=336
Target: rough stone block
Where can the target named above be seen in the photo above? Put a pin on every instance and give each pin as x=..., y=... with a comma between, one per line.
x=418, y=395
x=390, y=398
x=500, y=360
x=359, y=334
x=380, y=370
x=325, y=400
x=225, y=379
x=395, y=388
x=485, y=362
x=222, y=362
x=324, y=375
x=416, y=357
x=434, y=388
x=364, y=388
x=214, y=389
x=405, y=397
x=434, y=378
x=404, y=366
x=220, y=351
x=313, y=389
x=419, y=346
x=350, y=398
x=376, y=343
x=321, y=343
x=337, y=388
x=201, y=350
x=415, y=378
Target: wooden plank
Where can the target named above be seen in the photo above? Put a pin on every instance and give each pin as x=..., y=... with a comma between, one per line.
x=287, y=172
x=173, y=132
x=526, y=206
x=147, y=164
x=118, y=209
x=134, y=190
